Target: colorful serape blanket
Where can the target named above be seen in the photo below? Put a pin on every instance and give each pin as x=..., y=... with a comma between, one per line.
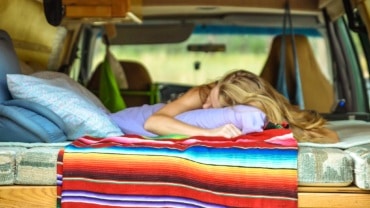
x=253, y=170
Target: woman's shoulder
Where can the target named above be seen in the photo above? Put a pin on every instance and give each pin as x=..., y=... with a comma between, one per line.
x=189, y=101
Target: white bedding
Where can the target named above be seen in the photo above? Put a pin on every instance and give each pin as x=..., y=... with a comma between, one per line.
x=361, y=158
x=351, y=133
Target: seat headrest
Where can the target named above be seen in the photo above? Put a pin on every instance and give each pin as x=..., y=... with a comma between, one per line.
x=315, y=85
x=9, y=64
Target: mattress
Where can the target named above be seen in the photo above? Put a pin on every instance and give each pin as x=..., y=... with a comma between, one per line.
x=28, y=164
x=361, y=158
x=8, y=164
x=337, y=164
x=324, y=167
x=35, y=164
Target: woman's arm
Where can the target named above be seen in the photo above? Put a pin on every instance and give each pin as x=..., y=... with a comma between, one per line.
x=163, y=121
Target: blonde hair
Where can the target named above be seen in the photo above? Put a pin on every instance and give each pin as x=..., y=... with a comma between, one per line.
x=243, y=87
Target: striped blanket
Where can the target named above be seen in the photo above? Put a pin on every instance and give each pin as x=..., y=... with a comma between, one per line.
x=253, y=170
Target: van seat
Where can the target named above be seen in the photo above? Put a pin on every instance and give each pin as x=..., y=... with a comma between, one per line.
x=140, y=87
x=318, y=92
x=9, y=64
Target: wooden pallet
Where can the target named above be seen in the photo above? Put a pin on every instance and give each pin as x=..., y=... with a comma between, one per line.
x=308, y=197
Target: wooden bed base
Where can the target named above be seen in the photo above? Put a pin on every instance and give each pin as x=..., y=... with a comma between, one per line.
x=308, y=197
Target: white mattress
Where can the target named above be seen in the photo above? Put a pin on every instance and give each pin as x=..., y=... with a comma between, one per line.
x=324, y=167
x=36, y=165
x=351, y=133
x=8, y=164
x=361, y=158
x=28, y=164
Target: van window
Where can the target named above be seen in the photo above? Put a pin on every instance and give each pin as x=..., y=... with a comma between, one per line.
x=362, y=60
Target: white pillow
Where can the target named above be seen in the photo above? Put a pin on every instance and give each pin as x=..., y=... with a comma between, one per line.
x=72, y=85
x=80, y=116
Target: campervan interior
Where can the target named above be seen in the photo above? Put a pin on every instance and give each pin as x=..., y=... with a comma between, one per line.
x=155, y=51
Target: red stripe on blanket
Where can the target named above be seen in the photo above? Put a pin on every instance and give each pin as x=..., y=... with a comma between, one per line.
x=178, y=190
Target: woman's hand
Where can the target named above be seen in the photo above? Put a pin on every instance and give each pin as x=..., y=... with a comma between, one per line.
x=227, y=131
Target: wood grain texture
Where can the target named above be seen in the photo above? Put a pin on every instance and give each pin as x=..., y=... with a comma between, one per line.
x=96, y=8
x=28, y=196
x=308, y=197
x=333, y=200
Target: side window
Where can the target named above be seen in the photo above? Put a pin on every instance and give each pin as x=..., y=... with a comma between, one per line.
x=362, y=60
x=350, y=62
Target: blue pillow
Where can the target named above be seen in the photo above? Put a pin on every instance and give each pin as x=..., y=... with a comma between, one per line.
x=25, y=121
x=80, y=115
x=248, y=119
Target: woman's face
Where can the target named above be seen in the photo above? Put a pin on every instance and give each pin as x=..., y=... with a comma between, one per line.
x=213, y=99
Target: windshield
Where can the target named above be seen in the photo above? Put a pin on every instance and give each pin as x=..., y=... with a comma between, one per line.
x=174, y=63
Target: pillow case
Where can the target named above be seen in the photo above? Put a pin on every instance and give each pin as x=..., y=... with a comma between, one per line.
x=247, y=119
x=80, y=116
x=72, y=85
x=25, y=121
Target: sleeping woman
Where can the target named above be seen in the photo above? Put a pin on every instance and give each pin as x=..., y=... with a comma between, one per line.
x=239, y=88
